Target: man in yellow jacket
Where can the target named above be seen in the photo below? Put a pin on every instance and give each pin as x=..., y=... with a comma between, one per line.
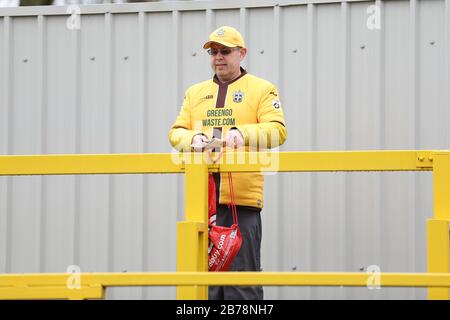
x=245, y=112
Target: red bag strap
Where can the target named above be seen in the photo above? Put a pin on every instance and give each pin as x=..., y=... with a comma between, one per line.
x=230, y=181
x=232, y=203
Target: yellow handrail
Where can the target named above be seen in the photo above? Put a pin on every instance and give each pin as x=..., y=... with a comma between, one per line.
x=38, y=286
x=192, y=277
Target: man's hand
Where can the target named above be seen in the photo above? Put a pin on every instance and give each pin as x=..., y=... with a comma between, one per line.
x=199, y=141
x=234, y=139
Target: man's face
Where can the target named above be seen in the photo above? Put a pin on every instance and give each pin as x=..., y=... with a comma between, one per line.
x=226, y=62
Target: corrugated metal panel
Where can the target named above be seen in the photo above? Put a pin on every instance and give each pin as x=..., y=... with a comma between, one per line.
x=115, y=86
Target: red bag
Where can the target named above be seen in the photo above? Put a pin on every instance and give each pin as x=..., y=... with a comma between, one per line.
x=224, y=242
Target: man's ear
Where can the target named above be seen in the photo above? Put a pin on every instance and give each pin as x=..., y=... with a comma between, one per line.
x=243, y=53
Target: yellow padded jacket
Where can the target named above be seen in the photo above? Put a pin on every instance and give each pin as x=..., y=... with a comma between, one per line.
x=251, y=105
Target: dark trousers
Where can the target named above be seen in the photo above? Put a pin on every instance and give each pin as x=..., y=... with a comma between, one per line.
x=249, y=256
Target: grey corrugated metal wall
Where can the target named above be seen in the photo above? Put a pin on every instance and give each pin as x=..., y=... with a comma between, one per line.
x=115, y=86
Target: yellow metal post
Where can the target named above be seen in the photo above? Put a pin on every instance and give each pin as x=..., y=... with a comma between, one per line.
x=438, y=232
x=192, y=234
x=441, y=176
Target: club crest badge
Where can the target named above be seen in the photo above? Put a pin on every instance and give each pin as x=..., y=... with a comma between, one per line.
x=276, y=104
x=238, y=96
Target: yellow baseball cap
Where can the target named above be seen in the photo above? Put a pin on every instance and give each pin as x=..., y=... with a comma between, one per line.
x=226, y=36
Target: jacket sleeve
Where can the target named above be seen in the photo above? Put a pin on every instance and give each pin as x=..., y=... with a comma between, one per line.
x=270, y=131
x=181, y=132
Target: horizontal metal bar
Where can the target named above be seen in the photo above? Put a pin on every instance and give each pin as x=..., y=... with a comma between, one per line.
x=324, y=161
x=88, y=164
x=51, y=293
x=161, y=6
x=231, y=279
x=230, y=162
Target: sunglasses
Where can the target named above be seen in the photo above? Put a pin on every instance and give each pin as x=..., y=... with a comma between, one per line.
x=223, y=51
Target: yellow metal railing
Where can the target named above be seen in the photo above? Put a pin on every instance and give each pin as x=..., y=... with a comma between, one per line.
x=192, y=277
